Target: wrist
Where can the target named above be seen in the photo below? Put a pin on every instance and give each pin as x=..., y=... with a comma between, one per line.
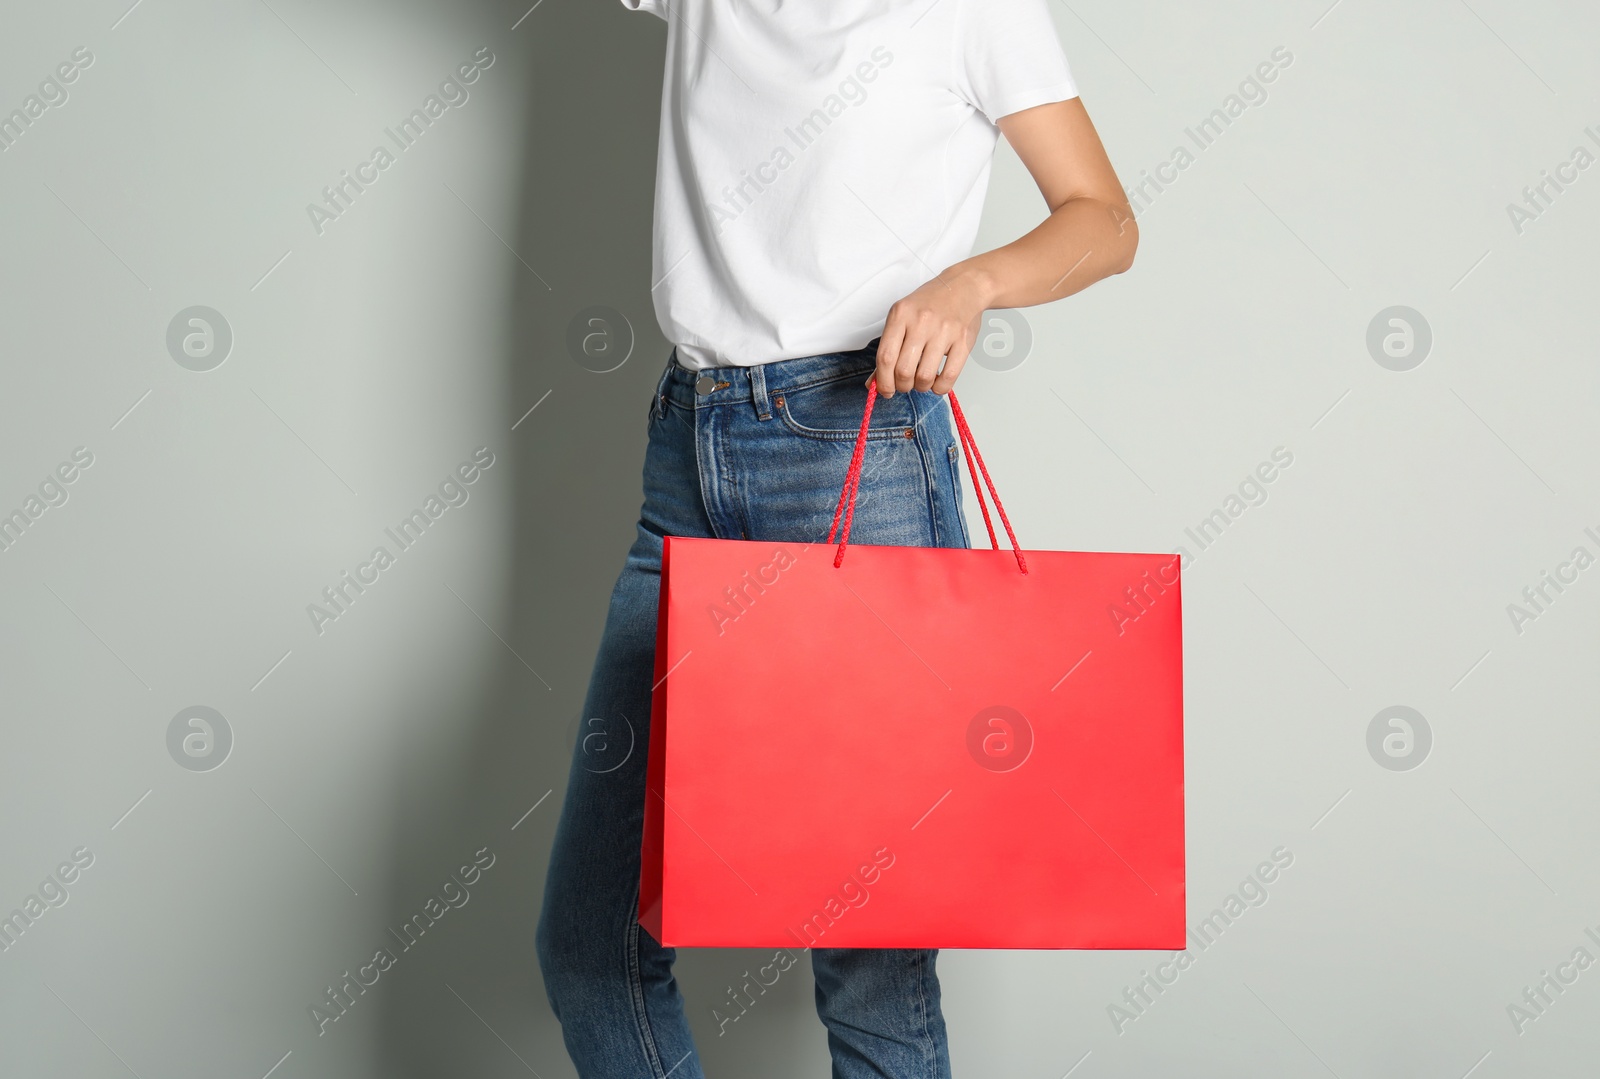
x=974, y=281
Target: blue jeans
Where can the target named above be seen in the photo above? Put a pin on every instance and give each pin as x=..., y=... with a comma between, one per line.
x=761, y=454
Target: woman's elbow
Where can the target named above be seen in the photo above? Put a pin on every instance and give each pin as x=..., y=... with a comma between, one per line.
x=1127, y=241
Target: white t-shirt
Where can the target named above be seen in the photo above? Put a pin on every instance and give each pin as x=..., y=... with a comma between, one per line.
x=820, y=159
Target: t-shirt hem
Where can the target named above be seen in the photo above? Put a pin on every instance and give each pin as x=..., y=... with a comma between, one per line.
x=694, y=356
x=1027, y=99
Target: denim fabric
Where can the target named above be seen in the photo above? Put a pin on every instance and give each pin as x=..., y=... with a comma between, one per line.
x=761, y=456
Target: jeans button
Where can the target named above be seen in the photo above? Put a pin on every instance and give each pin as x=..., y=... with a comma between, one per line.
x=704, y=385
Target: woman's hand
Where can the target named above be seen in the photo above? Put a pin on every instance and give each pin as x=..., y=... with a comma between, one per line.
x=939, y=322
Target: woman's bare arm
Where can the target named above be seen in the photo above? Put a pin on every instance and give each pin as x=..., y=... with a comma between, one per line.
x=1090, y=234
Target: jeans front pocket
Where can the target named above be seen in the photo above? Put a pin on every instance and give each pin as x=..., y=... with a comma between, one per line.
x=831, y=411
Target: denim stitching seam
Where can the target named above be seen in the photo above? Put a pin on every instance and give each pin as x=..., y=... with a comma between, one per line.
x=930, y=483
x=953, y=459
x=641, y=1017
x=922, y=1003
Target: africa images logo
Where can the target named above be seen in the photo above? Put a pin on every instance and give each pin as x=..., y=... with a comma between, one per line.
x=1000, y=738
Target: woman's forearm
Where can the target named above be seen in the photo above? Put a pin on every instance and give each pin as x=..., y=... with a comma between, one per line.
x=1083, y=241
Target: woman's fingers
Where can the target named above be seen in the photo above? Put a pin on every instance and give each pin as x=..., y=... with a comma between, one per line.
x=952, y=370
x=889, y=346
x=928, y=369
x=958, y=351
x=905, y=367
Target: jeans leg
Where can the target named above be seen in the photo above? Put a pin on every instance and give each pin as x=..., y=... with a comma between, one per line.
x=609, y=982
x=881, y=1008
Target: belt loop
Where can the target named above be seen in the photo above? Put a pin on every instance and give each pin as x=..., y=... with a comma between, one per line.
x=758, y=391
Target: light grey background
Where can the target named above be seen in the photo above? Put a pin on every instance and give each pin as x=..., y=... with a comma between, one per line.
x=435, y=717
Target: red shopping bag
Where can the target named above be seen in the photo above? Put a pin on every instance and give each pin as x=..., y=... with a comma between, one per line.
x=915, y=747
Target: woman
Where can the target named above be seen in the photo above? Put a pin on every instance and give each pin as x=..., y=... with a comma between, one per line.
x=821, y=174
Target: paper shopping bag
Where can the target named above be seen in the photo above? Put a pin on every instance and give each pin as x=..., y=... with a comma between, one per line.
x=914, y=747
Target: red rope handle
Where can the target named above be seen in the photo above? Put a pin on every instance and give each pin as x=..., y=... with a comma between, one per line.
x=961, y=425
x=969, y=445
x=852, y=479
x=969, y=450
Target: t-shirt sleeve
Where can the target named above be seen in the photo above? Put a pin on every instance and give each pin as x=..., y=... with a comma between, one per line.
x=654, y=7
x=1008, y=56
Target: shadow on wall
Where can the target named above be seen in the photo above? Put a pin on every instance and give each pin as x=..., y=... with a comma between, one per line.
x=470, y=1000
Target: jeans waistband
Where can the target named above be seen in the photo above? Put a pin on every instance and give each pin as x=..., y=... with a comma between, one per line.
x=755, y=384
